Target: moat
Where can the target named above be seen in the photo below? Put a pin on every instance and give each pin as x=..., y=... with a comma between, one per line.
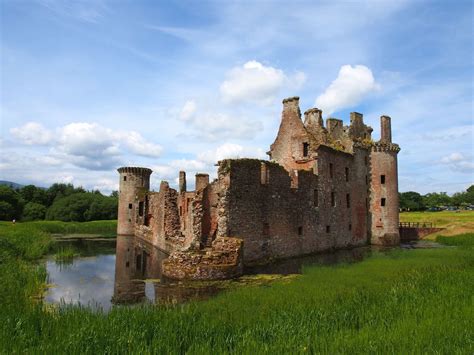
x=110, y=272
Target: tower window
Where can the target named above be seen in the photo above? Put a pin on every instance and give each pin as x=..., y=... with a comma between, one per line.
x=382, y=179
x=382, y=202
x=300, y=231
x=328, y=229
x=264, y=174
x=266, y=229
x=130, y=206
x=348, y=200
x=330, y=170
x=347, y=174
x=140, y=208
x=125, y=178
x=305, y=149
x=350, y=227
x=315, y=198
x=333, y=199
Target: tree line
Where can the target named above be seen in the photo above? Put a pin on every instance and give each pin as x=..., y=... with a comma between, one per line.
x=62, y=202
x=413, y=201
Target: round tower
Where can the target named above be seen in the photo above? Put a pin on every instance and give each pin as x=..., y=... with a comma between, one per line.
x=134, y=184
x=384, y=188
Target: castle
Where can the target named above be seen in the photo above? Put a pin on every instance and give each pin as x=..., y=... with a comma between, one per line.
x=324, y=187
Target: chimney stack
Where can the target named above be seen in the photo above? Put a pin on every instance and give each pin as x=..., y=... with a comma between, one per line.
x=386, y=129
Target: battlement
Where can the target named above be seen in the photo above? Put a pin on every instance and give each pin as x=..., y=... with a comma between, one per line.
x=135, y=170
x=385, y=147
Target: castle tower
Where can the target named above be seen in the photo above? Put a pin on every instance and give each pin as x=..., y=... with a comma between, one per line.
x=134, y=183
x=384, y=188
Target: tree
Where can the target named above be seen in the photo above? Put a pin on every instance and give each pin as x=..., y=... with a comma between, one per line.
x=83, y=206
x=13, y=201
x=34, y=211
x=6, y=211
x=435, y=199
x=411, y=200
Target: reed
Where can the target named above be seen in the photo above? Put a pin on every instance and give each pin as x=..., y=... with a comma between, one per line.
x=403, y=301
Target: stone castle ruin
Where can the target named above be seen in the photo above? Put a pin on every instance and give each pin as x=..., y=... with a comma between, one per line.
x=325, y=187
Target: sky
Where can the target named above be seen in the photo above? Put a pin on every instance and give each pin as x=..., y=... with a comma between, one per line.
x=89, y=86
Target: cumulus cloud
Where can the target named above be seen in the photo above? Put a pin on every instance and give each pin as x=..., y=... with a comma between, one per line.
x=458, y=162
x=213, y=126
x=352, y=84
x=32, y=133
x=86, y=145
x=257, y=83
x=230, y=150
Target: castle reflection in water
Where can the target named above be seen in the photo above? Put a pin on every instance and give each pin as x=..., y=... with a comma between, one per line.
x=138, y=277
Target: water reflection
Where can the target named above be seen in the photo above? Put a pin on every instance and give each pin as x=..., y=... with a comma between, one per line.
x=128, y=271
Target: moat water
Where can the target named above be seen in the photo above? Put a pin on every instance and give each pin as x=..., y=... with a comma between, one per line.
x=122, y=271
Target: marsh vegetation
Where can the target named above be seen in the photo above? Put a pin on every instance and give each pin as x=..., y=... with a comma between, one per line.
x=403, y=301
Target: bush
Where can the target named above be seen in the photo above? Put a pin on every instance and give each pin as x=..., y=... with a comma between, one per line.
x=34, y=211
x=83, y=206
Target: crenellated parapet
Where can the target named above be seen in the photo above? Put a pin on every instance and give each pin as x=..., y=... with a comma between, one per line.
x=135, y=170
x=385, y=147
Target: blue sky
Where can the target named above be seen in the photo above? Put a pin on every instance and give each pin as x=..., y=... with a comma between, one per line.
x=88, y=86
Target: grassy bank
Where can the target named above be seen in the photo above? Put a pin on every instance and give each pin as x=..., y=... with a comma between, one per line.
x=411, y=301
x=103, y=228
x=454, y=223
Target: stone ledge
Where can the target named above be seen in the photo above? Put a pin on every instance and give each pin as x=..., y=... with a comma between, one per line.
x=222, y=261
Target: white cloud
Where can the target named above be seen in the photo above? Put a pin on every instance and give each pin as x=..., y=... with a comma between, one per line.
x=86, y=145
x=256, y=82
x=188, y=110
x=213, y=126
x=230, y=150
x=348, y=89
x=32, y=133
x=458, y=162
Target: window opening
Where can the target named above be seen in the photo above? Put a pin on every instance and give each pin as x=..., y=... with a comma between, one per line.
x=382, y=202
x=382, y=179
x=305, y=149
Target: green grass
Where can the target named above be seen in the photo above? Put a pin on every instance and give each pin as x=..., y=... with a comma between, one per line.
x=405, y=301
x=465, y=240
x=440, y=219
x=103, y=228
x=65, y=255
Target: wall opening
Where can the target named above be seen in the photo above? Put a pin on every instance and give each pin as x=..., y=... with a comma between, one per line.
x=140, y=208
x=266, y=229
x=365, y=161
x=348, y=200
x=331, y=172
x=305, y=149
x=333, y=199
x=328, y=229
x=347, y=174
x=130, y=206
x=382, y=202
x=125, y=178
x=264, y=174
x=300, y=231
x=382, y=179
x=366, y=180
x=350, y=226
x=315, y=198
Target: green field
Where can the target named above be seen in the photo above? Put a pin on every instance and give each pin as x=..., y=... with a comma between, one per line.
x=454, y=223
x=106, y=228
x=404, y=301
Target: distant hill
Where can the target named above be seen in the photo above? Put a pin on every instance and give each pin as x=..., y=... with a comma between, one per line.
x=13, y=185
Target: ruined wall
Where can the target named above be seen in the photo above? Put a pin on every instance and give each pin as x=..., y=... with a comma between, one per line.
x=277, y=217
x=288, y=148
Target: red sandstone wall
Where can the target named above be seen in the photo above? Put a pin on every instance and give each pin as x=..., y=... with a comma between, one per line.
x=277, y=221
x=385, y=220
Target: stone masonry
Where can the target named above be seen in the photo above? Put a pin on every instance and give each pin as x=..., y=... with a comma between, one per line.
x=324, y=187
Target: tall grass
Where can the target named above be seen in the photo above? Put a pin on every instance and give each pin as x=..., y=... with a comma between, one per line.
x=406, y=301
x=104, y=228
